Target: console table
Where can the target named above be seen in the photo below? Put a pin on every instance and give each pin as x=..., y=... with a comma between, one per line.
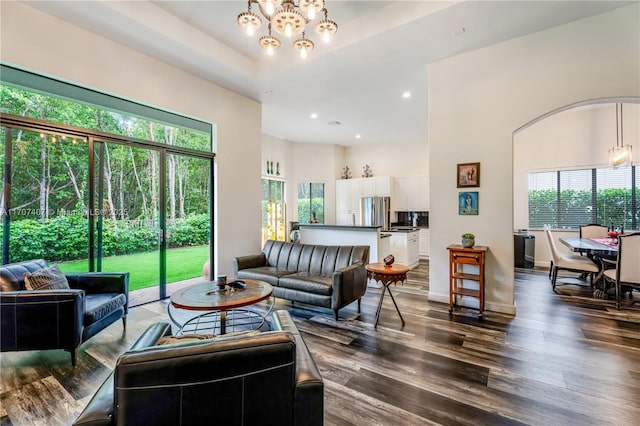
x=460, y=256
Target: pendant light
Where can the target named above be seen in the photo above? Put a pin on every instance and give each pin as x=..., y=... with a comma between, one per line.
x=620, y=155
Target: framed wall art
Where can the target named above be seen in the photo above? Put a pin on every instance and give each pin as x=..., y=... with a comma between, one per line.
x=468, y=203
x=468, y=175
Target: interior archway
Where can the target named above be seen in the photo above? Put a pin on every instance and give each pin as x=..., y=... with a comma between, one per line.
x=574, y=136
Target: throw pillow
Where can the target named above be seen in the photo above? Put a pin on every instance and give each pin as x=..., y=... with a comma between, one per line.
x=50, y=278
x=168, y=340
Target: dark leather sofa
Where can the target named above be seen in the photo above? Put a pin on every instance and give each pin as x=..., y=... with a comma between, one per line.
x=267, y=378
x=58, y=319
x=327, y=276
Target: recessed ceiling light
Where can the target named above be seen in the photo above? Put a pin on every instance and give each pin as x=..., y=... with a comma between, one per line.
x=358, y=136
x=406, y=95
x=314, y=115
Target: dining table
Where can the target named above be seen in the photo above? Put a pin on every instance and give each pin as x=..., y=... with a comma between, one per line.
x=596, y=248
x=593, y=246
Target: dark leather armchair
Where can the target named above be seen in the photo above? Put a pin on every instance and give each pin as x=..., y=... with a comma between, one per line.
x=267, y=378
x=58, y=319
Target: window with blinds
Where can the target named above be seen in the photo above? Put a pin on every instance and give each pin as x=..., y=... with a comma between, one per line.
x=566, y=199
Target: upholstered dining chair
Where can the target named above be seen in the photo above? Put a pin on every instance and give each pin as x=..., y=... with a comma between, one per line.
x=567, y=262
x=594, y=230
x=627, y=271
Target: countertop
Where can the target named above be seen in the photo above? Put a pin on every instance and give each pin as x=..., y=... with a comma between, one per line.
x=345, y=227
x=404, y=230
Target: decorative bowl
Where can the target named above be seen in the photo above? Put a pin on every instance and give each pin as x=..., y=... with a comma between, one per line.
x=613, y=234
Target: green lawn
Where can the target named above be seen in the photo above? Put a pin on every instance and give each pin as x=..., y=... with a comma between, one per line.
x=182, y=264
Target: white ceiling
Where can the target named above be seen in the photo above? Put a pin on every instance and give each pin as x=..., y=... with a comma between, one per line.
x=382, y=48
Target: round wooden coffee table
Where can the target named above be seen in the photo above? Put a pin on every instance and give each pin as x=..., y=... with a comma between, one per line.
x=387, y=275
x=217, y=301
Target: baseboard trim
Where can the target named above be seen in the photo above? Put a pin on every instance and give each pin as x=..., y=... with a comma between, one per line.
x=472, y=302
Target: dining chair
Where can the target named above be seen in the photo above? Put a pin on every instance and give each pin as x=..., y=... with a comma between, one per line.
x=567, y=262
x=627, y=271
x=594, y=230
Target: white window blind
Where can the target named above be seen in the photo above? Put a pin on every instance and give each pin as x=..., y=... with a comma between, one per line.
x=566, y=199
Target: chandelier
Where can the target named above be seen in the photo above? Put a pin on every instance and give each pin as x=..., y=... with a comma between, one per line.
x=620, y=155
x=288, y=19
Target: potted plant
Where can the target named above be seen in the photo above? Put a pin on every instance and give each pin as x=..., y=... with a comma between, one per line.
x=468, y=240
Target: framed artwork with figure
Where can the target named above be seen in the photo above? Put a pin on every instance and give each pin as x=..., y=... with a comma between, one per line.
x=468, y=175
x=468, y=203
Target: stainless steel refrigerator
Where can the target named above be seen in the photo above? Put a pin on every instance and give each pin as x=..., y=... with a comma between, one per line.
x=375, y=211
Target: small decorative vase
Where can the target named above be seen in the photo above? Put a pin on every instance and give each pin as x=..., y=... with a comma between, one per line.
x=468, y=242
x=388, y=261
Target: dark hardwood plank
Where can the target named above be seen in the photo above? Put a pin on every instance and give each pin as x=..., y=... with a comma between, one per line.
x=563, y=359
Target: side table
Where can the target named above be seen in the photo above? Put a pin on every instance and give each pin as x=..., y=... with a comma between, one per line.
x=387, y=275
x=460, y=256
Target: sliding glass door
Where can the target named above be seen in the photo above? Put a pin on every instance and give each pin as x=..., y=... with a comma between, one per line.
x=44, y=203
x=126, y=213
x=188, y=217
x=92, y=202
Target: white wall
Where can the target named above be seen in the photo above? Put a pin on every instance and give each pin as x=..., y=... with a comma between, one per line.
x=478, y=99
x=304, y=162
x=39, y=42
x=319, y=163
x=393, y=159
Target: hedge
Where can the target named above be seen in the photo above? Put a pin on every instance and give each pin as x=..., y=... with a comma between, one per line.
x=65, y=238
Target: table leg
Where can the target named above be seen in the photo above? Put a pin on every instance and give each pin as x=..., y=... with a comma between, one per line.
x=223, y=322
x=384, y=288
x=396, y=305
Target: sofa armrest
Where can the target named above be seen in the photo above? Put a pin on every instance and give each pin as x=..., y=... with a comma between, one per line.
x=41, y=319
x=309, y=406
x=99, y=411
x=246, y=262
x=349, y=284
x=100, y=282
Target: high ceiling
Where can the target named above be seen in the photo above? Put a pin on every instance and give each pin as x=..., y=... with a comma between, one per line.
x=382, y=49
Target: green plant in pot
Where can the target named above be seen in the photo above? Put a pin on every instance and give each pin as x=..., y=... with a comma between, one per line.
x=468, y=240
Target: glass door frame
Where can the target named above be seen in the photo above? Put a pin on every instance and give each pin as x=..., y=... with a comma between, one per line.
x=10, y=122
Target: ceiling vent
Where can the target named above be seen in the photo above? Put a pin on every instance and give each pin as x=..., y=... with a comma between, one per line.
x=334, y=123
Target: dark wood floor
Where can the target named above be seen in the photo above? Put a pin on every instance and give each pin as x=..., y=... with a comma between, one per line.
x=564, y=359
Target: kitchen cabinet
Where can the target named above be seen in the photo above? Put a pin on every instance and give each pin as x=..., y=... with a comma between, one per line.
x=404, y=247
x=348, y=201
x=350, y=191
x=423, y=243
x=377, y=186
x=411, y=193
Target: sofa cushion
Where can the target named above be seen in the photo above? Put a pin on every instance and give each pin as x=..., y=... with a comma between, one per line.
x=307, y=282
x=98, y=306
x=269, y=274
x=50, y=278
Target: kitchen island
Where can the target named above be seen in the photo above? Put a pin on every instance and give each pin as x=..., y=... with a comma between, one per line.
x=372, y=236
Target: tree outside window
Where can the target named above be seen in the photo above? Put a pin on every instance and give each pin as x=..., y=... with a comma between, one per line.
x=311, y=202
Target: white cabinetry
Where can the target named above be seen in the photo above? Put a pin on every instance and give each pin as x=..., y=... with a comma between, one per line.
x=348, y=201
x=411, y=193
x=404, y=247
x=424, y=243
x=350, y=191
x=377, y=186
